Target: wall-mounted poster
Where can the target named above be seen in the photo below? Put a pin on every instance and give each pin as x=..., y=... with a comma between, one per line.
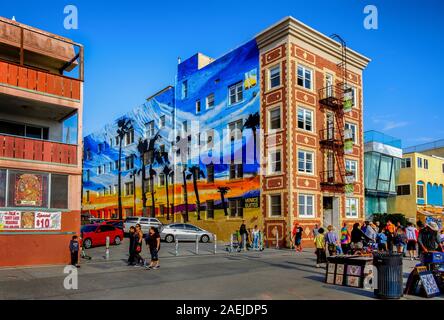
x=28, y=190
x=30, y=220
x=250, y=79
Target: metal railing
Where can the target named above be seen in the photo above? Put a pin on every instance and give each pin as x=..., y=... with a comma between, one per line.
x=331, y=96
x=332, y=177
x=331, y=136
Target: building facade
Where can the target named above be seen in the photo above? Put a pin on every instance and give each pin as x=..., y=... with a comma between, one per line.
x=270, y=133
x=420, y=187
x=382, y=162
x=41, y=90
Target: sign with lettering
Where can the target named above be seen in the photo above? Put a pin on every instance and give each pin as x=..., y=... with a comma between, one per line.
x=252, y=202
x=30, y=220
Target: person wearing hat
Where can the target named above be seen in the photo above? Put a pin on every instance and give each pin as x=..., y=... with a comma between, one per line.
x=428, y=238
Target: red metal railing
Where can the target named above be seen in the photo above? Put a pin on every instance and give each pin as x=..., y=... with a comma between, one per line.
x=37, y=80
x=37, y=150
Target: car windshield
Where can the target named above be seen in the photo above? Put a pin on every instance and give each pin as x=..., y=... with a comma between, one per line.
x=88, y=228
x=132, y=219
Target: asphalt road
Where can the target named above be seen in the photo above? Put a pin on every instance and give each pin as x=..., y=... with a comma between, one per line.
x=271, y=274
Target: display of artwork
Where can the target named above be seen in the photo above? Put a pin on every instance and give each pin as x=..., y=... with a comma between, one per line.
x=28, y=190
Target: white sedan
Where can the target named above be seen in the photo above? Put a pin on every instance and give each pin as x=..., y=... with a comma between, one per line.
x=185, y=232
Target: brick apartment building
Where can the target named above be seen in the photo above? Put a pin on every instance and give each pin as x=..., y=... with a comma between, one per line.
x=306, y=90
x=41, y=89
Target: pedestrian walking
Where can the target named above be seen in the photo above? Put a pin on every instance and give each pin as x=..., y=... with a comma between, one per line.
x=381, y=240
x=243, y=233
x=255, y=234
x=154, y=247
x=138, y=237
x=412, y=239
x=74, y=248
x=400, y=240
x=132, y=246
x=319, y=242
x=297, y=237
x=331, y=239
x=315, y=230
x=345, y=239
x=390, y=230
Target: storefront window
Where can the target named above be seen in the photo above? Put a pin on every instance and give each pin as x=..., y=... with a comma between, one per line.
x=27, y=189
x=59, y=191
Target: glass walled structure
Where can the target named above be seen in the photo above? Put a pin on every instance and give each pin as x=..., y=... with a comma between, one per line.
x=382, y=161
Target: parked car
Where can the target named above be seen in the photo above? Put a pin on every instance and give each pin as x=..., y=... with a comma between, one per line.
x=95, y=235
x=185, y=232
x=145, y=222
x=95, y=220
x=115, y=223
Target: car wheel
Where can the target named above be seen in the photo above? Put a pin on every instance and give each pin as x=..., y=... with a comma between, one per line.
x=205, y=238
x=117, y=240
x=169, y=238
x=87, y=243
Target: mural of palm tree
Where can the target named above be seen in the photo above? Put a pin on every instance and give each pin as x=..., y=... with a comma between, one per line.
x=196, y=173
x=154, y=155
x=124, y=126
x=142, y=148
x=253, y=123
x=223, y=191
x=185, y=176
x=168, y=172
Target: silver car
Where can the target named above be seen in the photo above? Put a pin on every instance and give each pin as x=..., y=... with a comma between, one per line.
x=184, y=232
x=145, y=222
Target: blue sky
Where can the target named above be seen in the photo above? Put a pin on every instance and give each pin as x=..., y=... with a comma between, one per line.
x=132, y=49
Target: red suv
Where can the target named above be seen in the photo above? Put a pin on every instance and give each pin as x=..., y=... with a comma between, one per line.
x=95, y=235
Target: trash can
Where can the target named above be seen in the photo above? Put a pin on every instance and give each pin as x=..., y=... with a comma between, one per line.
x=389, y=275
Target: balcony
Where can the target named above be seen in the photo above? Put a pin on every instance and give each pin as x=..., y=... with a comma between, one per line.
x=40, y=81
x=331, y=138
x=333, y=178
x=37, y=150
x=332, y=96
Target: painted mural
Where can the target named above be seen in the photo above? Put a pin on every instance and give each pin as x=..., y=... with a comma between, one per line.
x=200, y=134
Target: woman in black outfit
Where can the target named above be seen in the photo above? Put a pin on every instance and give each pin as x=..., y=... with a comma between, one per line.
x=138, y=237
x=132, y=246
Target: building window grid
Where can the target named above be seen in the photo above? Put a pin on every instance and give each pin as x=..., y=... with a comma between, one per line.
x=305, y=119
x=305, y=161
x=304, y=77
x=236, y=94
x=274, y=77
x=351, y=207
x=306, y=205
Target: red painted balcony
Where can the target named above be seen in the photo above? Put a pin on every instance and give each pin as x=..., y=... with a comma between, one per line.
x=37, y=150
x=40, y=81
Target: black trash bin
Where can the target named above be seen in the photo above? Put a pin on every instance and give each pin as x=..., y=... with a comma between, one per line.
x=389, y=275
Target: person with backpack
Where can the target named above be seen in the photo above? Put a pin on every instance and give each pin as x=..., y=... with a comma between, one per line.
x=331, y=240
x=412, y=239
x=319, y=242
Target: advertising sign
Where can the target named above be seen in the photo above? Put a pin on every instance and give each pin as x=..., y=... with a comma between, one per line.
x=252, y=202
x=30, y=220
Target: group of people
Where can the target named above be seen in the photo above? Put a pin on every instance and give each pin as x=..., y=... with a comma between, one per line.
x=409, y=239
x=136, y=239
x=250, y=238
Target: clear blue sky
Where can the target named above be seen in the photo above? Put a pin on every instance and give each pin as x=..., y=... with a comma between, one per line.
x=132, y=49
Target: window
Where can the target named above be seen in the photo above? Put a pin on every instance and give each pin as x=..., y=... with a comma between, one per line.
x=99, y=147
x=275, y=205
x=351, y=207
x=210, y=209
x=305, y=161
x=130, y=137
x=116, y=165
x=129, y=162
x=99, y=170
x=236, y=171
x=352, y=128
x=185, y=126
x=198, y=106
x=426, y=164
x=87, y=175
x=406, y=163
x=236, y=93
x=129, y=189
x=305, y=119
x=87, y=195
x=274, y=77
x=403, y=190
x=59, y=191
x=110, y=142
x=420, y=191
x=275, y=118
x=306, y=205
x=235, y=129
x=117, y=140
x=88, y=155
x=350, y=92
x=162, y=121
x=304, y=77
x=352, y=167
x=209, y=101
x=24, y=130
x=235, y=207
x=210, y=173
x=275, y=161
x=149, y=129
x=161, y=179
x=443, y=168
x=419, y=160
x=185, y=89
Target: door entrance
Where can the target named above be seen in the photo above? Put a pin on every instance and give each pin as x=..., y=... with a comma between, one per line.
x=331, y=212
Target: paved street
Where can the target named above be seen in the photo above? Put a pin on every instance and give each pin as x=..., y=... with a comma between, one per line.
x=272, y=274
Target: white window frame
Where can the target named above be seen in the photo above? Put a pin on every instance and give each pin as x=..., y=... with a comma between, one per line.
x=162, y=121
x=349, y=168
x=304, y=213
x=198, y=103
x=207, y=101
x=237, y=129
x=279, y=75
x=419, y=162
x=355, y=126
x=304, y=70
x=127, y=189
x=305, y=112
x=354, y=91
x=236, y=88
x=271, y=161
x=129, y=137
x=270, y=205
x=349, y=201
x=313, y=161
x=270, y=110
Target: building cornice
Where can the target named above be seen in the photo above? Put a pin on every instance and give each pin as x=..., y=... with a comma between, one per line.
x=290, y=26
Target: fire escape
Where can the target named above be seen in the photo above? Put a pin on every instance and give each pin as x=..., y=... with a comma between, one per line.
x=335, y=100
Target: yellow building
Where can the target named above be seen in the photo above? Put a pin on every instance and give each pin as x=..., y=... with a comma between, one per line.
x=420, y=187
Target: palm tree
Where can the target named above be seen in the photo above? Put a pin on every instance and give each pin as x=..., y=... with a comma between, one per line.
x=168, y=172
x=154, y=155
x=142, y=148
x=124, y=126
x=185, y=176
x=253, y=123
x=196, y=174
x=223, y=191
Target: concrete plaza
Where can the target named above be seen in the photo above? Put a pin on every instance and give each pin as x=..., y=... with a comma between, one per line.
x=271, y=274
